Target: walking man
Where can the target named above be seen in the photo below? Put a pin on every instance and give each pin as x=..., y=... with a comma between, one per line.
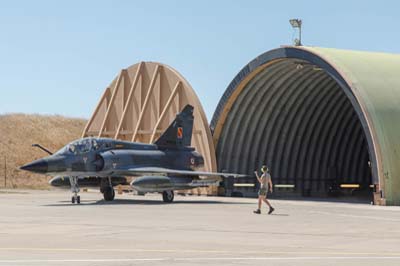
x=265, y=183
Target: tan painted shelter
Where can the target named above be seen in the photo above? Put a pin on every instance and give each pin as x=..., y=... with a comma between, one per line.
x=141, y=102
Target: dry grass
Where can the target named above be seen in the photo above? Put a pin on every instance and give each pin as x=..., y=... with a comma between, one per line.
x=19, y=131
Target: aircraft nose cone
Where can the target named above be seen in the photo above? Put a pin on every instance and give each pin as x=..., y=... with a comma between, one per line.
x=38, y=166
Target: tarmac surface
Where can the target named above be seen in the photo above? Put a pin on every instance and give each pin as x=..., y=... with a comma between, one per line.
x=44, y=228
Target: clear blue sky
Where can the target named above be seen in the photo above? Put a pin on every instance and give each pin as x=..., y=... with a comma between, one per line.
x=56, y=57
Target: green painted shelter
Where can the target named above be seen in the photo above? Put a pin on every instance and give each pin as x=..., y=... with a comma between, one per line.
x=321, y=119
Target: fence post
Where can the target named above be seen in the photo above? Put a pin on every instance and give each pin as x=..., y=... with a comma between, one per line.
x=5, y=172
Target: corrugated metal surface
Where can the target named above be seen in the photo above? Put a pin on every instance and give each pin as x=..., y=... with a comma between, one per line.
x=375, y=81
x=316, y=116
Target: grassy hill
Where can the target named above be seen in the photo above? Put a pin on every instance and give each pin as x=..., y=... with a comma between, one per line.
x=19, y=131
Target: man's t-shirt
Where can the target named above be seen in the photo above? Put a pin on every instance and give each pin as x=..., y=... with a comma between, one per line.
x=265, y=177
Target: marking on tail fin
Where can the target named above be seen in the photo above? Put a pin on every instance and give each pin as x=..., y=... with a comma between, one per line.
x=180, y=133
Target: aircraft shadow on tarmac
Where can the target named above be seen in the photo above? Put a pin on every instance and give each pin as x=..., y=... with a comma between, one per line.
x=141, y=202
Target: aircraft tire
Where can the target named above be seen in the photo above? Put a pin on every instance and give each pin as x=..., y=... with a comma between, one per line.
x=78, y=200
x=73, y=200
x=168, y=196
x=108, y=194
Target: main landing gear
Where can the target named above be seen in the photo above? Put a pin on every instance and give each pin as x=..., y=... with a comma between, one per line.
x=107, y=189
x=73, y=180
x=168, y=196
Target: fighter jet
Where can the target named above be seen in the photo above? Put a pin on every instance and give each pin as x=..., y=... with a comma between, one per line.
x=166, y=165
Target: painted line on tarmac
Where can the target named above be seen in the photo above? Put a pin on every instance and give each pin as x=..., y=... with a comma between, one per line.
x=80, y=260
x=356, y=216
x=293, y=258
x=199, y=259
x=124, y=250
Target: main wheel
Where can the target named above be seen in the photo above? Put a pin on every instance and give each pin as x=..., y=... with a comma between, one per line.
x=168, y=196
x=109, y=194
x=73, y=200
x=78, y=199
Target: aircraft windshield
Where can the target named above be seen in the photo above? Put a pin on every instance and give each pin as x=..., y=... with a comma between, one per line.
x=80, y=146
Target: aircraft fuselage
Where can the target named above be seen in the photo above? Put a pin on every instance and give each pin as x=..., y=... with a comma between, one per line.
x=111, y=154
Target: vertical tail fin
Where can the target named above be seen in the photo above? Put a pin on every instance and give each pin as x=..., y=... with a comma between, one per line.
x=179, y=133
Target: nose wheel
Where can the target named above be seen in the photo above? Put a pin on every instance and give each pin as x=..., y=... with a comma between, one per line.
x=75, y=190
x=76, y=198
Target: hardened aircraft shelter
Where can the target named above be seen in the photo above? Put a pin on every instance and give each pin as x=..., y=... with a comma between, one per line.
x=321, y=119
x=142, y=101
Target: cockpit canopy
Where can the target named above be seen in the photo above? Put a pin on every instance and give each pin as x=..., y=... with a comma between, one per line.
x=84, y=145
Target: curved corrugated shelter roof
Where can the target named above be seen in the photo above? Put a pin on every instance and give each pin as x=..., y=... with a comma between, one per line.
x=318, y=117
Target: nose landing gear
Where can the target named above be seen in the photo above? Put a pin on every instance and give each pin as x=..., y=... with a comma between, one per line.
x=75, y=190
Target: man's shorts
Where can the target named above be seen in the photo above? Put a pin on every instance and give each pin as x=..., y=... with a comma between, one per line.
x=263, y=191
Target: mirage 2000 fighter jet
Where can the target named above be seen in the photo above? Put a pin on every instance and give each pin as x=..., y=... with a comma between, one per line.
x=167, y=165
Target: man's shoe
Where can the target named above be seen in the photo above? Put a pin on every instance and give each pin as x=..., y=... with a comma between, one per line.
x=257, y=211
x=271, y=210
